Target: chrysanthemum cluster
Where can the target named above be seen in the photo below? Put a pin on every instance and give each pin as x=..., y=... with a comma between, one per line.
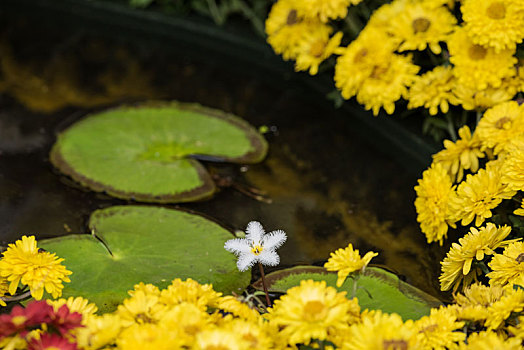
x=23, y=264
x=190, y=315
x=430, y=53
x=488, y=200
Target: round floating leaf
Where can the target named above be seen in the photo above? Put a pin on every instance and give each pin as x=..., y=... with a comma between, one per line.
x=148, y=153
x=377, y=289
x=132, y=244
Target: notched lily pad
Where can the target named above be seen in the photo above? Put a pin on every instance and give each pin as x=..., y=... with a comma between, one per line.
x=148, y=153
x=145, y=244
x=377, y=289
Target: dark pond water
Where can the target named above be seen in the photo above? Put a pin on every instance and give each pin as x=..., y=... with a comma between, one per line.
x=329, y=183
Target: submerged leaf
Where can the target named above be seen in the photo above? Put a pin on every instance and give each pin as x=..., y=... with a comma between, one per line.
x=132, y=244
x=148, y=153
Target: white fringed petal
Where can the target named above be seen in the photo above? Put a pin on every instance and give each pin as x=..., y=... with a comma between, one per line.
x=254, y=231
x=269, y=257
x=238, y=246
x=274, y=240
x=246, y=261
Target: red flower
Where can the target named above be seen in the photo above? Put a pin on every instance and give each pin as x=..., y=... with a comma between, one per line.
x=20, y=319
x=49, y=341
x=63, y=320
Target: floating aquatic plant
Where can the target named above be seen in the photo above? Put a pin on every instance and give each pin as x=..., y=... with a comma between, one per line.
x=132, y=244
x=149, y=153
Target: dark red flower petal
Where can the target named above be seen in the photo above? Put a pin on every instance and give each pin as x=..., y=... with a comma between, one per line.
x=50, y=341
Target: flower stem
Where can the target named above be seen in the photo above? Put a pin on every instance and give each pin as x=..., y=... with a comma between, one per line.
x=17, y=297
x=263, y=276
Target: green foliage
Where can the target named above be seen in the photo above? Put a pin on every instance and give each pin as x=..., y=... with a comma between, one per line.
x=377, y=289
x=132, y=244
x=148, y=153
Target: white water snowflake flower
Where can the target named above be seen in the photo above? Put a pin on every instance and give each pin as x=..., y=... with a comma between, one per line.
x=256, y=247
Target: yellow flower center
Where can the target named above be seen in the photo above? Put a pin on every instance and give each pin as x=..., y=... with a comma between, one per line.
x=292, y=18
x=497, y=10
x=314, y=310
x=52, y=348
x=359, y=56
x=503, y=123
x=520, y=258
x=216, y=347
x=430, y=328
x=477, y=52
x=378, y=72
x=317, y=48
x=257, y=249
x=143, y=318
x=420, y=25
x=394, y=344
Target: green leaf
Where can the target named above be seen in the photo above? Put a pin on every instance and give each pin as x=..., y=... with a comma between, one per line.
x=377, y=289
x=148, y=153
x=145, y=244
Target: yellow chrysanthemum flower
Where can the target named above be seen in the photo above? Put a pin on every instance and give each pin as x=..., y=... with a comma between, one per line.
x=147, y=289
x=438, y=331
x=489, y=341
x=316, y=47
x=513, y=165
x=234, y=306
x=520, y=211
x=473, y=304
x=253, y=333
x=4, y=288
x=495, y=23
x=479, y=194
x=432, y=90
x=202, y=295
x=220, y=339
x=434, y=192
x=99, y=332
x=457, y=265
x=285, y=29
x=312, y=311
x=78, y=304
x=419, y=26
x=188, y=319
x=381, y=18
x=347, y=260
x=324, y=10
x=148, y=337
x=461, y=155
x=489, y=306
x=140, y=308
x=500, y=125
x=388, y=83
x=283, y=13
x=476, y=66
x=372, y=48
x=22, y=262
x=471, y=98
x=381, y=331
x=508, y=267
x=511, y=302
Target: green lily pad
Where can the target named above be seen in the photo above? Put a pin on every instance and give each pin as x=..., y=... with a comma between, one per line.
x=148, y=153
x=132, y=244
x=377, y=289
